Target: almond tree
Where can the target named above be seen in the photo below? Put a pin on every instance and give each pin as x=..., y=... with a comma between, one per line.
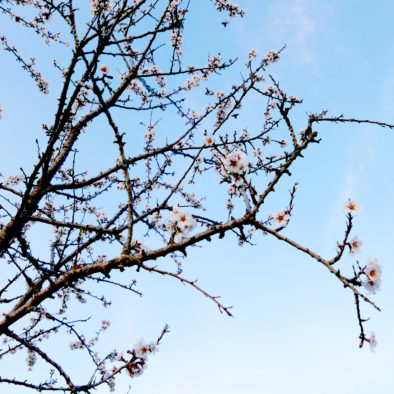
x=121, y=58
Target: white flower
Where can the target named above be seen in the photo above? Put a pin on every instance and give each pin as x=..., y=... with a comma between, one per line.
x=374, y=269
x=355, y=245
x=281, y=218
x=209, y=140
x=175, y=213
x=372, y=285
x=373, y=273
x=141, y=349
x=153, y=348
x=181, y=220
x=236, y=162
x=252, y=53
x=373, y=342
x=351, y=207
x=186, y=222
x=272, y=56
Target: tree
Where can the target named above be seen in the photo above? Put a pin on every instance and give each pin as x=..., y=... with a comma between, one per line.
x=125, y=60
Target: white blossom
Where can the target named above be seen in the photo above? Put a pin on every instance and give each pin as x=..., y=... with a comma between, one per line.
x=180, y=220
x=355, y=245
x=373, y=273
x=281, y=218
x=208, y=139
x=236, y=162
x=351, y=207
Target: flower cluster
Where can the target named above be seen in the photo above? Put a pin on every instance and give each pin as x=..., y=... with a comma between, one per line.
x=181, y=222
x=31, y=358
x=252, y=54
x=271, y=56
x=142, y=349
x=227, y=6
x=373, y=273
x=76, y=345
x=174, y=3
x=100, y=6
x=192, y=82
x=222, y=108
x=236, y=162
x=176, y=39
x=105, y=324
x=237, y=186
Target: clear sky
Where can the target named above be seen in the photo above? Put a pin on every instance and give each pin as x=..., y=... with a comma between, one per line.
x=294, y=328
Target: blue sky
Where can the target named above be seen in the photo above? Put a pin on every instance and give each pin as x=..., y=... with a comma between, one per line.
x=295, y=328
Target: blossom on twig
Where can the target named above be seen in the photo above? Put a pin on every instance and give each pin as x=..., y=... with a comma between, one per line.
x=351, y=207
x=281, y=218
x=236, y=162
x=373, y=274
x=355, y=245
